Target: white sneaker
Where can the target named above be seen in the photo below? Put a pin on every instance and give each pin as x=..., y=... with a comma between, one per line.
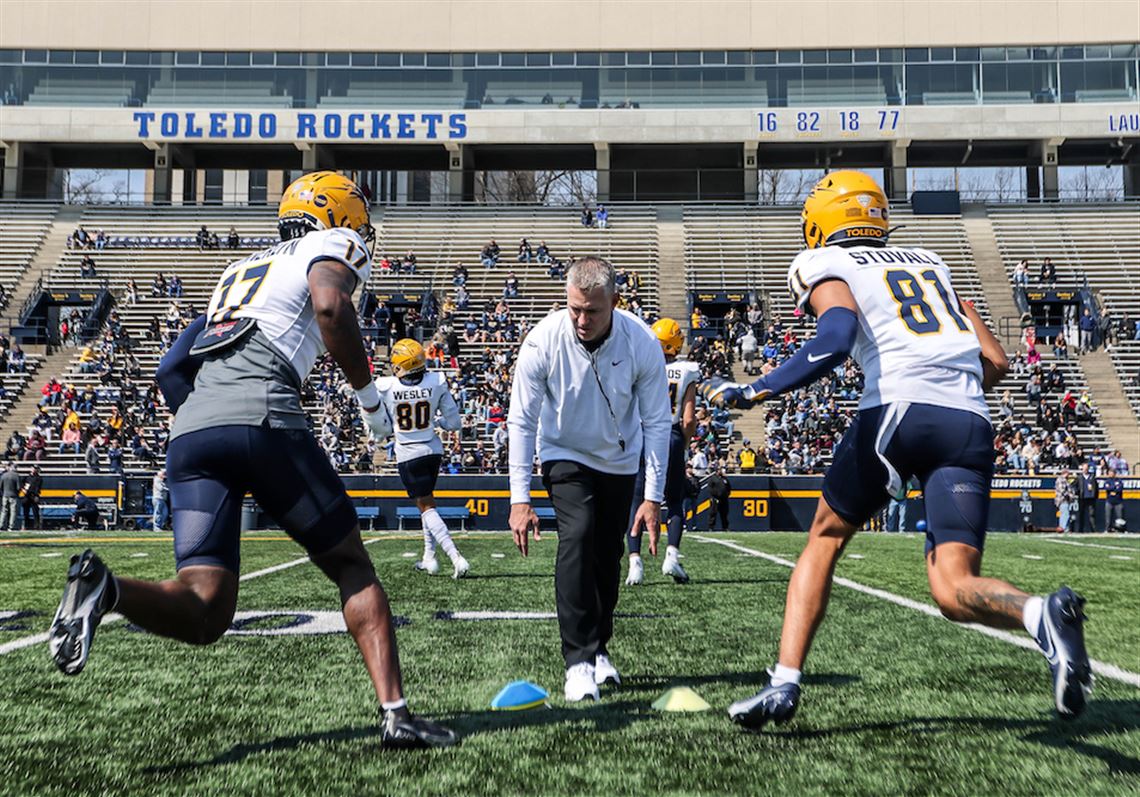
x=604, y=671
x=461, y=568
x=636, y=571
x=429, y=565
x=672, y=567
x=580, y=682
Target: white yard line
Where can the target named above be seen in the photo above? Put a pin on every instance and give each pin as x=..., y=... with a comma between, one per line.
x=1099, y=667
x=1089, y=545
x=35, y=639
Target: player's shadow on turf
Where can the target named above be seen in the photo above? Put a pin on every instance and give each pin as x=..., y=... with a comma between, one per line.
x=1103, y=717
x=607, y=715
x=645, y=683
x=240, y=752
x=694, y=582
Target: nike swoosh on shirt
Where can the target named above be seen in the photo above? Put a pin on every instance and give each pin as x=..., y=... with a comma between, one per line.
x=616, y=363
x=813, y=359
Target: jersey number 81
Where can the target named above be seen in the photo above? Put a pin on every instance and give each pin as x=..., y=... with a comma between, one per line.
x=914, y=310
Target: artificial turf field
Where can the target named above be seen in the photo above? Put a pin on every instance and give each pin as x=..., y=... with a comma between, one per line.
x=895, y=702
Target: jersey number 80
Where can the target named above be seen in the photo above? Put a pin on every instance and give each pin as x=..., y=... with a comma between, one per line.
x=413, y=416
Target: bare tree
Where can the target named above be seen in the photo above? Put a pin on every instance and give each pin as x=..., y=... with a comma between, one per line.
x=84, y=186
x=537, y=187
x=1092, y=183
x=786, y=186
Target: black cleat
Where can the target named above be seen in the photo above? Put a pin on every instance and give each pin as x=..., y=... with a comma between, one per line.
x=771, y=704
x=90, y=593
x=1061, y=637
x=399, y=730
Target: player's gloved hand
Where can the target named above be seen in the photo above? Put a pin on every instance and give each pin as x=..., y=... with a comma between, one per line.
x=373, y=412
x=723, y=393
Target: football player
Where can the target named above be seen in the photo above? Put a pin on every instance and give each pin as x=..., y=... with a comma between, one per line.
x=414, y=397
x=683, y=377
x=928, y=360
x=234, y=380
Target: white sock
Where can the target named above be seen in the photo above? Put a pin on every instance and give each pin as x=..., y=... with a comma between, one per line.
x=672, y=552
x=434, y=523
x=429, y=543
x=1031, y=615
x=784, y=675
x=394, y=705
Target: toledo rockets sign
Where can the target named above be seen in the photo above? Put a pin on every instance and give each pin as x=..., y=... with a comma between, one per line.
x=300, y=126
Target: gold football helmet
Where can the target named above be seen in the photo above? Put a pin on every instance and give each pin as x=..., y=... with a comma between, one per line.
x=669, y=335
x=844, y=206
x=407, y=358
x=321, y=201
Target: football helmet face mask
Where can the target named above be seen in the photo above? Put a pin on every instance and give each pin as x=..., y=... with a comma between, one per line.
x=407, y=358
x=845, y=206
x=321, y=201
x=669, y=335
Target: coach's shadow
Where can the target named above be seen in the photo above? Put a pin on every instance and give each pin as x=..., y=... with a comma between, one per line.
x=751, y=679
x=1102, y=717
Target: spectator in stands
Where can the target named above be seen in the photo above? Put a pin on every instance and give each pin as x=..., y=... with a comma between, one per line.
x=408, y=264
x=51, y=393
x=603, y=217
x=14, y=448
x=202, y=238
x=1060, y=347
x=542, y=254
x=100, y=240
x=698, y=319
x=1032, y=356
x=1021, y=274
x=1107, y=331
x=71, y=432
x=489, y=256
x=525, y=253
x=459, y=275
x=132, y=292
x=34, y=447
x=1088, y=329
x=81, y=239
x=748, y=351
x=32, y=487
x=746, y=458
x=587, y=215
x=1048, y=274
x=698, y=460
x=511, y=286
x=86, y=511
x=87, y=267
x=233, y=240
x=1117, y=462
x=17, y=362
x=92, y=457
x=158, y=286
x=213, y=242
x=1065, y=499
x=174, y=287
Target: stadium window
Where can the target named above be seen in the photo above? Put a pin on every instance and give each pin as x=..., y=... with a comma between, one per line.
x=35, y=56
x=61, y=56
x=714, y=57
x=588, y=59
x=538, y=59
x=137, y=58
x=993, y=53
x=439, y=60
x=288, y=59
x=815, y=56
x=86, y=56
x=562, y=59
x=739, y=58
x=362, y=59
x=1044, y=53
x=917, y=55
x=1072, y=52
x=637, y=58
x=968, y=54
x=9, y=56
x=941, y=54
x=1096, y=51
x=839, y=56
x=788, y=56
x=336, y=59
x=509, y=59
x=890, y=55
x=462, y=59
x=1123, y=51
x=262, y=59
x=213, y=58
x=663, y=58
x=312, y=59
x=184, y=58
x=688, y=58
x=237, y=59
x=1017, y=53
x=763, y=57
x=393, y=59
x=866, y=56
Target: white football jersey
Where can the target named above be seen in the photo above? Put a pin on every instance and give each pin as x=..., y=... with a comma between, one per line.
x=413, y=409
x=272, y=286
x=681, y=374
x=914, y=342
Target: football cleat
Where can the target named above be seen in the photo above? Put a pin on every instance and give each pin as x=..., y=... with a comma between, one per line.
x=605, y=671
x=636, y=572
x=1061, y=637
x=672, y=567
x=429, y=565
x=771, y=704
x=399, y=730
x=462, y=568
x=580, y=682
x=89, y=594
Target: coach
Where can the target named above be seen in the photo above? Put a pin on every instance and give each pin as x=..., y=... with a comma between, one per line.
x=590, y=391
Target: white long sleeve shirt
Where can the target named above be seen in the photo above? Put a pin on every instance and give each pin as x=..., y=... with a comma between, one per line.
x=559, y=408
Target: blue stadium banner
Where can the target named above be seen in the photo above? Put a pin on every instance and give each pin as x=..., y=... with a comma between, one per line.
x=300, y=126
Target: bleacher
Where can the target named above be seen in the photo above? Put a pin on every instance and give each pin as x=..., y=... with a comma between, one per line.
x=81, y=92
x=372, y=95
x=1100, y=243
x=185, y=93
x=24, y=228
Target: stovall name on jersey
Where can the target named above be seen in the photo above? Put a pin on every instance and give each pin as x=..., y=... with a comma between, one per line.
x=891, y=255
x=408, y=395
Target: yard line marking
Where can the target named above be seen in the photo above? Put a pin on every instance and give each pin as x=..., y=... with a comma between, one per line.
x=35, y=639
x=1098, y=667
x=139, y=555
x=50, y=555
x=1121, y=558
x=854, y=556
x=1031, y=556
x=409, y=554
x=1089, y=545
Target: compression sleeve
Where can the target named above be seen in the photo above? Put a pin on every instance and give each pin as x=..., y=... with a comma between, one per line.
x=835, y=335
x=177, y=369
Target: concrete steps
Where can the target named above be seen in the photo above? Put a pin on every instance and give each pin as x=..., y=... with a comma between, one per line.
x=50, y=252
x=991, y=269
x=671, y=265
x=1112, y=405
x=27, y=406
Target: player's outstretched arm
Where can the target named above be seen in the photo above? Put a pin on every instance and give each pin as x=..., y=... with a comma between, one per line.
x=995, y=364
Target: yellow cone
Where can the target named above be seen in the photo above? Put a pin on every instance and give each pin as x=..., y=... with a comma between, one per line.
x=681, y=698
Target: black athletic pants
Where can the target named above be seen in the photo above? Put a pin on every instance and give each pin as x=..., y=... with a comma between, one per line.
x=591, y=509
